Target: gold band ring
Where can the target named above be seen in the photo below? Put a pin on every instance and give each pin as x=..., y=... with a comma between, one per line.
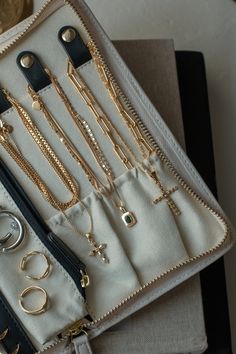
x=24, y=261
x=39, y=310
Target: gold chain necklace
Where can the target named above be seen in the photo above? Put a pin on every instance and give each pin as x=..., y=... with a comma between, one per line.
x=127, y=216
x=98, y=250
x=45, y=148
x=83, y=127
x=144, y=146
x=105, y=124
x=67, y=179
x=5, y=141
x=38, y=104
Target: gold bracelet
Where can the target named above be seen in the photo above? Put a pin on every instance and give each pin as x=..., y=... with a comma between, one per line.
x=38, y=311
x=127, y=217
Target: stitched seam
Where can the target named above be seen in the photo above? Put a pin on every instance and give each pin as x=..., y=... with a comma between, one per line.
x=22, y=25
x=10, y=110
x=16, y=324
x=49, y=87
x=12, y=32
x=172, y=283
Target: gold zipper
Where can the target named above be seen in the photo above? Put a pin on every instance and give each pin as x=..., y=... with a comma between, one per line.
x=79, y=327
x=168, y=163
x=73, y=331
x=27, y=28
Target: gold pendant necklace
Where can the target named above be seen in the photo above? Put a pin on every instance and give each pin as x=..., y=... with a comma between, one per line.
x=127, y=217
x=27, y=168
x=98, y=250
x=112, y=133
x=5, y=141
x=142, y=143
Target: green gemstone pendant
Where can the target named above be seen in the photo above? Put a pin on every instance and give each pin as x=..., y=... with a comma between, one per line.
x=127, y=217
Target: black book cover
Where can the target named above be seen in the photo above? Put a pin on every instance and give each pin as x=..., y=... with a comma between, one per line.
x=198, y=137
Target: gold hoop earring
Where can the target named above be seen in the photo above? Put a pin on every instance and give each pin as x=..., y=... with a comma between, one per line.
x=37, y=311
x=24, y=261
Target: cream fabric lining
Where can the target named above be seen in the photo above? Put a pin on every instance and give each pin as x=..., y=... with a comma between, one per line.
x=158, y=241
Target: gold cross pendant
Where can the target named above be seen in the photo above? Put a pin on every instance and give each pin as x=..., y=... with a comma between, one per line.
x=98, y=250
x=166, y=195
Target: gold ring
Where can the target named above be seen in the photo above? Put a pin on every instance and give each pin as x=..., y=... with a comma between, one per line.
x=41, y=309
x=24, y=261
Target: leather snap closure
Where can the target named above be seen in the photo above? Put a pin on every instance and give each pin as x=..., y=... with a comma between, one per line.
x=27, y=61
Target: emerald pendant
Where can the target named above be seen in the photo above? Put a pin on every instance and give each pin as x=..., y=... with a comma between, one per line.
x=128, y=218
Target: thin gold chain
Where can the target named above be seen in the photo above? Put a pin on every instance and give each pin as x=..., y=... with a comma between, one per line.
x=106, y=125
x=98, y=250
x=46, y=149
x=83, y=127
x=145, y=148
x=93, y=179
x=28, y=169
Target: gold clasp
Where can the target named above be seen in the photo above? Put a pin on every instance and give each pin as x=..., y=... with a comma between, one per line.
x=85, y=281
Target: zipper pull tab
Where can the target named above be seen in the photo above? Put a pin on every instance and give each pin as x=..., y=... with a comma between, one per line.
x=76, y=329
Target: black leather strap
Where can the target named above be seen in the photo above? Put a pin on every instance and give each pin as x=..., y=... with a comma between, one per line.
x=35, y=74
x=4, y=103
x=76, y=49
x=15, y=334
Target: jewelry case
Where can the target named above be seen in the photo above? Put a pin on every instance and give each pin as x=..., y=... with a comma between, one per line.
x=74, y=121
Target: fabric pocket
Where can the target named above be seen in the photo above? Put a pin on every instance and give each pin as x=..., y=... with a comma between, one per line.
x=109, y=283
x=154, y=244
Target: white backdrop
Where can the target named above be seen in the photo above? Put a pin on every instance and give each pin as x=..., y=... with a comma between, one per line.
x=208, y=26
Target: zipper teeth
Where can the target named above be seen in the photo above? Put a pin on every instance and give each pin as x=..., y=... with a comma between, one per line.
x=27, y=28
x=53, y=345
x=162, y=157
x=171, y=168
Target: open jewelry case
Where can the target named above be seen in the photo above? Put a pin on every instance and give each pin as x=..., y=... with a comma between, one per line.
x=113, y=213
